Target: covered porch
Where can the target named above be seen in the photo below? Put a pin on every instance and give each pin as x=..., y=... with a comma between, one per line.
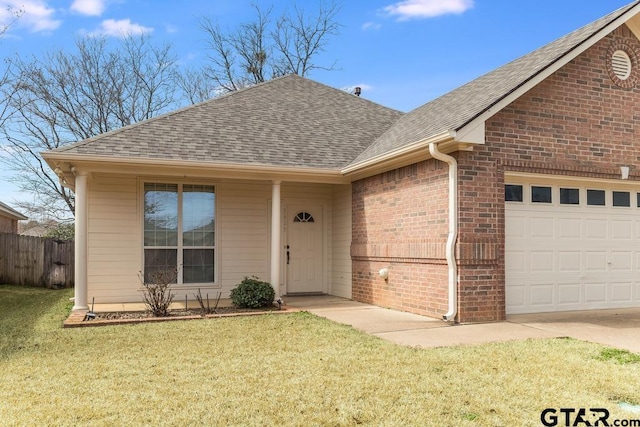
x=294, y=234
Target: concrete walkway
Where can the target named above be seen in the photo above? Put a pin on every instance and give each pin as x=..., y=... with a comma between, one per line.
x=615, y=328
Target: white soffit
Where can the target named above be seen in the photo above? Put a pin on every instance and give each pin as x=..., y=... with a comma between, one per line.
x=634, y=26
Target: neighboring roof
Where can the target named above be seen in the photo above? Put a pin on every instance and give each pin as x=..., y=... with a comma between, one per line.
x=288, y=121
x=8, y=211
x=456, y=109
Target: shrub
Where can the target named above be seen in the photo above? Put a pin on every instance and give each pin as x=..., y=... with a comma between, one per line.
x=252, y=293
x=157, y=293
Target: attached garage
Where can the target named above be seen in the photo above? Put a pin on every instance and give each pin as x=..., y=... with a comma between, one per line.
x=571, y=244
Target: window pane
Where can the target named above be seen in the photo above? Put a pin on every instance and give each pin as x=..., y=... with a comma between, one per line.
x=541, y=194
x=638, y=199
x=595, y=198
x=303, y=217
x=159, y=261
x=197, y=266
x=569, y=196
x=513, y=193
x=621, y=198
x=198, y=212
x=160, y=214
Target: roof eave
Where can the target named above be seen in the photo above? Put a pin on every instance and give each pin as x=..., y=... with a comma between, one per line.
x=412, y=153
x=11, y=213
x=173, y=167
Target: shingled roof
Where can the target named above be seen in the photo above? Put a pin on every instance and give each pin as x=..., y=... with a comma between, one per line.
x=459, y=107
x=8, y=211
x=295, y=122
x=288, y=121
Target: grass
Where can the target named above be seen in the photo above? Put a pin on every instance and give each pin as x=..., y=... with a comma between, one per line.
x=295, y=369
x=622, y=357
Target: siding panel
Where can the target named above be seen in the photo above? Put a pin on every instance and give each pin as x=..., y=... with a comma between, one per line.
x=341, y=242
x=114, y=242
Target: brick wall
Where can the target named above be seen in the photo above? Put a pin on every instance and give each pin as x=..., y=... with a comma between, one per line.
x=578, y=122
x=8, y=225
x=400, y=223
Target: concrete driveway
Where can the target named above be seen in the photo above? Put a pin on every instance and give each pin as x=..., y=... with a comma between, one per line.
x=615, y=328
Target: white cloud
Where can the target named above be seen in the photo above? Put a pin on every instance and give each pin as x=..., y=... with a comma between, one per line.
x=121, y=28
x=410, y=9
x=89, y=7
x=36, y=16
x=371, y=26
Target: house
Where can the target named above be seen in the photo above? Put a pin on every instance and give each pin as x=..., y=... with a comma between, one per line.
x=515, y=193
x=9, y=218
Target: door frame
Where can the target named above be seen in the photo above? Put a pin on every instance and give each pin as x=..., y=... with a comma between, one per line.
x=289, y=206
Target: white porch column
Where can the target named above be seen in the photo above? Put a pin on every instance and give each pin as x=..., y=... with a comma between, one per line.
x=80, y=286
x=275, y=237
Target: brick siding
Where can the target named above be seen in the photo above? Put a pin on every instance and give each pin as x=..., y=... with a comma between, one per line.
x=400, y=223
x=577, y=122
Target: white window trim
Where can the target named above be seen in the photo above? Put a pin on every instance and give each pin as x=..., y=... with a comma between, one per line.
x=216, y=251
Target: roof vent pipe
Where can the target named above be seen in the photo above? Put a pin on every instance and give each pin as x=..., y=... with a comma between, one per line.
x=357, y=91
x=453, y=229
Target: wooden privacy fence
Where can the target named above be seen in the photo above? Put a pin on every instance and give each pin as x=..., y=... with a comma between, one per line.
x=36, y=261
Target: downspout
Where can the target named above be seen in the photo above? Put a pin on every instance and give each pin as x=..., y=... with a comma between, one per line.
x=453, y=229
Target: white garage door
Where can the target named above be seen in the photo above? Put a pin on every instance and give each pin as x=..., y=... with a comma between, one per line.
x=571, y=246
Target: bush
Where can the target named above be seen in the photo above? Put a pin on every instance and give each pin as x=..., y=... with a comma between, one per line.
x=157, y=294
x=252, y=293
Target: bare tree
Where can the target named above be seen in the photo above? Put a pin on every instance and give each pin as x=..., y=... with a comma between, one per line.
x=263, y=49
x=299, y=39
x=6, y=89
x=196, y=86
x=65, y=97
x=13, y=15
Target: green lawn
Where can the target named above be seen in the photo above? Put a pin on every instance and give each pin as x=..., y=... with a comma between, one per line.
x=294, y=369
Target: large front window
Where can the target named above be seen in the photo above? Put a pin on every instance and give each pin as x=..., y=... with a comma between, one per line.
x=179, y=231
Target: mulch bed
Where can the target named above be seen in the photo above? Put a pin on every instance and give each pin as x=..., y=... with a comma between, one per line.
x=80, y=319
x=181, y=313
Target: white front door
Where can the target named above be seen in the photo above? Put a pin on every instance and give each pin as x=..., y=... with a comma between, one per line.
x=304, y=251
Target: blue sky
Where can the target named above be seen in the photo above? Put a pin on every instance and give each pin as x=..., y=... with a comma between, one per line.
x=402, y=53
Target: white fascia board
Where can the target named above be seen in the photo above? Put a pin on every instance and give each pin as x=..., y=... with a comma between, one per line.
x=473, y=133
x=407, y=150
x=169, y=167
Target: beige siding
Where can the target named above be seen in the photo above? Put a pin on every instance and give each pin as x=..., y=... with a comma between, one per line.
x=243, y=232
x=243, y=217
x=341, y=242
x=114, y=242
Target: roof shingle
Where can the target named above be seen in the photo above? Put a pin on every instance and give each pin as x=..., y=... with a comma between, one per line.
x=288, y=121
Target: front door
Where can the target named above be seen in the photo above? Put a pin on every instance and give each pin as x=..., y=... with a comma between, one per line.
x=304, y=250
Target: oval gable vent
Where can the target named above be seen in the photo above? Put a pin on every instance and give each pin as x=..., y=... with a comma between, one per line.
x=621, y=64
